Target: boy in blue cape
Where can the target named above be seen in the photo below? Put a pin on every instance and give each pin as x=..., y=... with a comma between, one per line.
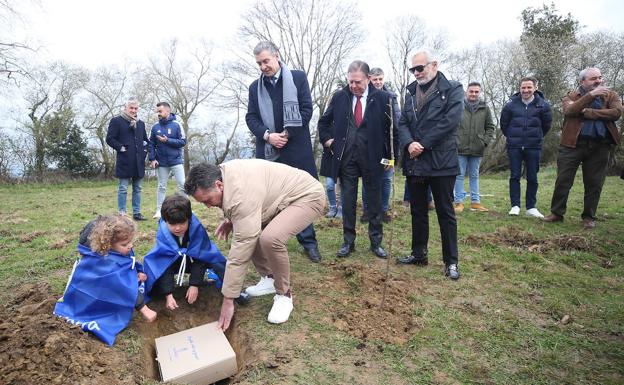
x=105, y=285
x=182, y=245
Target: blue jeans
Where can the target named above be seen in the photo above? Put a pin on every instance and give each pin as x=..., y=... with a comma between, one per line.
x=531, y=159
x=122, y=193
x=470, y=164
x=386, y=188
x=163, y=177
x=330, y=186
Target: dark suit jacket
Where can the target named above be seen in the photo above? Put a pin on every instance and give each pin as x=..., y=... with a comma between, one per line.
x=298, y=151
x=130, y=163
x=338, y=119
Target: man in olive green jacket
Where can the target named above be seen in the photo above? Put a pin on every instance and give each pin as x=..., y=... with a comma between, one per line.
x=264, y=204
x=475, y=132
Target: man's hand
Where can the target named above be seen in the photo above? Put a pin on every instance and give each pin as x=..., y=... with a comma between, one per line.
x=142, y=277
x=162, y=138
x=278, y=140
x=191, y=294
x=599, y=91
x=223, y=230
x=154, y=163
x=227, y=312
x=415, y=149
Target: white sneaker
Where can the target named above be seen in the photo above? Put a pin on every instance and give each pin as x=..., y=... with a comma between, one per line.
x=156, y=215
x=263, y=287
x=280, y=312
x=514, y=211
x=534, y=212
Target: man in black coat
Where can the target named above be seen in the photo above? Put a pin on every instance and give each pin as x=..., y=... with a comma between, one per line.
x=126, y=135
x=278, y=114
x=356, y=128
x=428, y=136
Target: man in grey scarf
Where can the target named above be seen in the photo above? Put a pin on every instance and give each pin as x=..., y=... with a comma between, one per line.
x=278, y=114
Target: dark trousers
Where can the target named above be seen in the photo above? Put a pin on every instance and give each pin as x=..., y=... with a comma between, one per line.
x=197, y=269
x=350, y=171
x=531, y=159
x=593, y=158
x=307, y=238
x=442, y=189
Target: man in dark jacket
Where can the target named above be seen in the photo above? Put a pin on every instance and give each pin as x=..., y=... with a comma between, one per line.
x=588, y=133
x=165, y=152
x=356, y=128
x=475, y=132
x=428, y=138
x=377, y=80
x=525, y=120
x=126, y=135
x=278, y=114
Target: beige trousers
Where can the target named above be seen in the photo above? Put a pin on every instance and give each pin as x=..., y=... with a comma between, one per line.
x=271, y=256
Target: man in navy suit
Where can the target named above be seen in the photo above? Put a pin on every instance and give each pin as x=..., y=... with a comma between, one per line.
x=278, y=114
x=356, y=128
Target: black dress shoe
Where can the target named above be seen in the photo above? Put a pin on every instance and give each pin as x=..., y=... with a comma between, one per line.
x=139, y=217
x=413, y=260
x=379, y=252
x=313, y=254
x=345, y=250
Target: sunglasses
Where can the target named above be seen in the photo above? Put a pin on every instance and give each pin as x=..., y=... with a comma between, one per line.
x=418, y=68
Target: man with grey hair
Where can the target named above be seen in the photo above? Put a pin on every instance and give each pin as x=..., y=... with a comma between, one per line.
x=278, y=114
x=428, y=138
x=356, y=129
x=126, y=135
x=588, y=132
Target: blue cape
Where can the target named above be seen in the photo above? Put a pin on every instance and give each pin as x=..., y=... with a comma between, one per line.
x=166, y=251
x=101, y=294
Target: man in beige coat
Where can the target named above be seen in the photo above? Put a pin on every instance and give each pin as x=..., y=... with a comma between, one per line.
x=264, y=203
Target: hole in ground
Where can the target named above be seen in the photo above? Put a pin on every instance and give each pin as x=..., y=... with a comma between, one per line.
x=205, y=310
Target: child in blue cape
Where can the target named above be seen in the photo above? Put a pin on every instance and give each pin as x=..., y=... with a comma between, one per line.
x=106, y=283
x=182, y=245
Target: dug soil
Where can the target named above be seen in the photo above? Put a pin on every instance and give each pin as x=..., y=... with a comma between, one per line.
x=37, y=347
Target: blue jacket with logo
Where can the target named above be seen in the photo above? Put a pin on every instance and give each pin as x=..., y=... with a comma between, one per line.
x=168, y=153
x=526, y=125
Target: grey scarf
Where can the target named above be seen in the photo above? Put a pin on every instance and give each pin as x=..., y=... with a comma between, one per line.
x=421, y=97
x=472, y=107
x=292, y=116
x=129, y=118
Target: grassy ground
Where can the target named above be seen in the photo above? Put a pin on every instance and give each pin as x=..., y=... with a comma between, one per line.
x=537, y=303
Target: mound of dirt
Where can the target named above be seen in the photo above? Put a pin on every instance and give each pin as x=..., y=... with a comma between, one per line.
x=359, y=313
x=36, y=347
x=513, y=236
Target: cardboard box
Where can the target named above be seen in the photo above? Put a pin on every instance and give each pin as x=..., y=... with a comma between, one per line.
x=197, y=356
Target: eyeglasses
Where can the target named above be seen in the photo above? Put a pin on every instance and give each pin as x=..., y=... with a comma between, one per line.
x=595, y=78
x=419, y=68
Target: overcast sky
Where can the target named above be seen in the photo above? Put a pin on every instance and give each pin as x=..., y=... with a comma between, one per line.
x=92, y=33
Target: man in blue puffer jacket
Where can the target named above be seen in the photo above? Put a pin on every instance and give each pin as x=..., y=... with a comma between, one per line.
x=165, y=152
x=525, y=120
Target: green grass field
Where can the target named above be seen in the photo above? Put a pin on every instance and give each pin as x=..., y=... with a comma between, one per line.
x=537, y=303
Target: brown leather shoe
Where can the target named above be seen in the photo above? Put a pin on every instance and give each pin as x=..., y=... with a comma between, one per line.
x=589, y=224
x=553, y=218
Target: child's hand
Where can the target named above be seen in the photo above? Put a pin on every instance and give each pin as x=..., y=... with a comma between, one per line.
x=149, y=314
x=142, y=277
x=191, y=294
x=171, y=303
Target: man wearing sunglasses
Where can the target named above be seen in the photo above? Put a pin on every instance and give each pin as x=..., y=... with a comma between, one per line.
x=356, y=129
x=588, y=133
x=428, y=137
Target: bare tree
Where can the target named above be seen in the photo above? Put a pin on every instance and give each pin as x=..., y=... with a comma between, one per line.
x=12, y=62
x=315, y=36
x=104, y=90
x=50, y=88
x=185, y=84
